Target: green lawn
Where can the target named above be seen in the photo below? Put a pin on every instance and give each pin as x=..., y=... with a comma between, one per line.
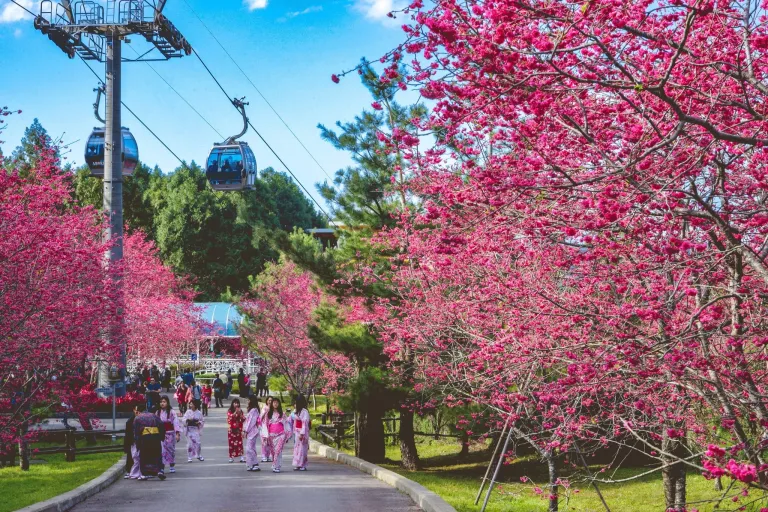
x=56, y=476
x=457, y=481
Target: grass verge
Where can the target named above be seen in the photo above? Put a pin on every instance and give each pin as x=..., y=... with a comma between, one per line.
x=46, y=480
x=457, y=480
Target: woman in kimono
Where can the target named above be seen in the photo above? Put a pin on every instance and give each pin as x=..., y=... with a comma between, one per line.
x=181, y=397
x=266, y=447
x=252, y=429
x=301, y=430
x=172, y=432
x=207, y=394
x=235, y=420
x=129, y=447
x=148, y=433
x=193, y=424
x=276, y=426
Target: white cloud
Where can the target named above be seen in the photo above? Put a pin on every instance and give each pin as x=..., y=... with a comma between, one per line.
x=379, y=9
x=308, y=10
x=11, y=13
x=255, y=4
x=294, y=14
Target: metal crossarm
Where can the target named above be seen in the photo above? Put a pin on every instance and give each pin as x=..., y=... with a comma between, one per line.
x=81, y=28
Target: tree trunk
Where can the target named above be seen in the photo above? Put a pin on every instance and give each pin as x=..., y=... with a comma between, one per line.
x=409, y=457
x=24, y=446
x=553, y=485
x=370, y=436
x=464, y=438
x=85, y=422
x=673, y=475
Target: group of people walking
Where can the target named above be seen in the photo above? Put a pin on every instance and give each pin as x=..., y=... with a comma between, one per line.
x=273, y=427
x=150, y=381
x=151, y=437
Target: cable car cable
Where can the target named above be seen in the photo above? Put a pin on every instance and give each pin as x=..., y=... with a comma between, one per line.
x=294, y=176
x=229, y=98
x=18, y=4
x=178, y=94
x=257, y=90
x=182, y=162
x=262, y=138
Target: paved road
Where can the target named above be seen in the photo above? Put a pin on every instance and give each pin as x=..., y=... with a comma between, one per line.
x=218, y=486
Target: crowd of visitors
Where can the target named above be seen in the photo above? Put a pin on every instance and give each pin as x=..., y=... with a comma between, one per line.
x=155, y=429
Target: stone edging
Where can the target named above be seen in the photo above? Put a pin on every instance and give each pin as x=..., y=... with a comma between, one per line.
x=68, y=500
x=423, y=497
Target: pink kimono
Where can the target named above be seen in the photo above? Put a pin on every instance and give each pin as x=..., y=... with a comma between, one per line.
x=252, y=429
x=193, y=425
x=301, y=424
x=276, y=426
x=172, y=425
x=136, y=468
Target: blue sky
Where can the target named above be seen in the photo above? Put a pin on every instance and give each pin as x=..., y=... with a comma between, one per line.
x=289, y=49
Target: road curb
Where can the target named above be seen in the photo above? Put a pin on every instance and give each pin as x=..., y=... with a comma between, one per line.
x=68, y=500
x=423, y=497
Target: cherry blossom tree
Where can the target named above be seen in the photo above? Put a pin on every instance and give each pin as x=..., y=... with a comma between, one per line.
x=161, y=321
x=279, y=311
x=594, y=213
x=54, y=295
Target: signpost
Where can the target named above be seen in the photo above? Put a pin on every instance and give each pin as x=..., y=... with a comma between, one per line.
x=113, y=392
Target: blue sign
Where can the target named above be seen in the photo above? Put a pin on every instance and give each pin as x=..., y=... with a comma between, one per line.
x=193, y=357
x=104, y=391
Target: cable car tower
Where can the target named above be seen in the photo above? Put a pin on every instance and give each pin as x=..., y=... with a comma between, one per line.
x=95, y=31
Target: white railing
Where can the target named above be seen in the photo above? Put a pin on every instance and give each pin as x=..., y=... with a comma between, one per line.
x=204, y=364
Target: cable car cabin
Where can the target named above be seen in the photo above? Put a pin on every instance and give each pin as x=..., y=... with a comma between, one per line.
x=94, y=152
x=231, y=167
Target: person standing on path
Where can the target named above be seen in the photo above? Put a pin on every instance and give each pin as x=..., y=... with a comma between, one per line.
x=242, y=384
x=276, y=425
x=153, y=394
x=207, y=393
x=235, y=420
x=195, y=394
x=218, y=391
x=129, y=447
x=172, y=432
x=193, y=424
x=266, y=446
x=225, y=385
x=149, y=432
x=301, y=426
x=166, y=379
x=181, y=397
x=261, y=382
x=252, y=429
x=229, y=382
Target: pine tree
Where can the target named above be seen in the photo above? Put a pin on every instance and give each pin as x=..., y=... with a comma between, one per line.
x=365, y=198
x=363, y=195
x=34, y=143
